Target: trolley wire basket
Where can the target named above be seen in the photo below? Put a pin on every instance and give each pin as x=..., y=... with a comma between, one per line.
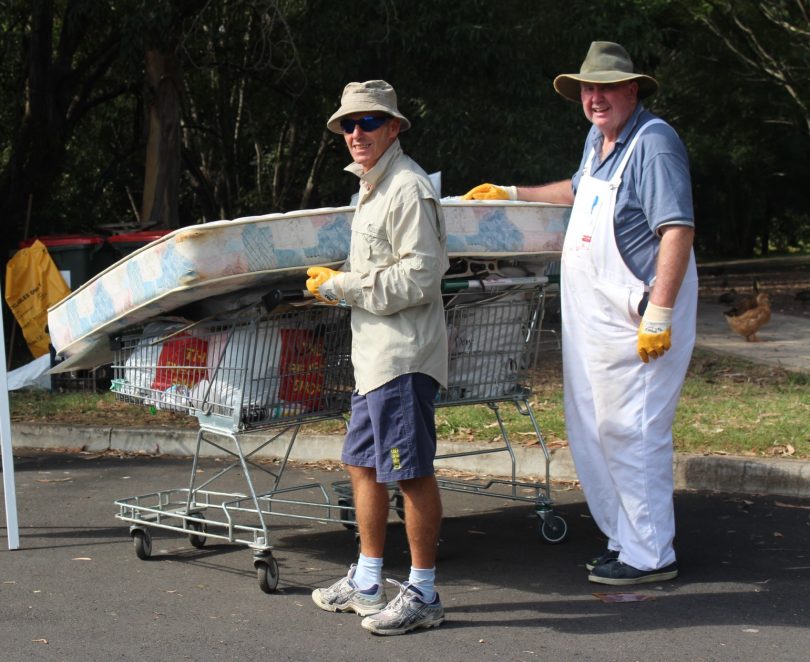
x=246, y=373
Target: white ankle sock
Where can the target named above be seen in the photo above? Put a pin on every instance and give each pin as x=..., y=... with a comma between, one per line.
x=368, y=572
x=423, y=579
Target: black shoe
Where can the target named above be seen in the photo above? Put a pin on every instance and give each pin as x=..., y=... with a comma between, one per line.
x=605, y=557
x=617, y=573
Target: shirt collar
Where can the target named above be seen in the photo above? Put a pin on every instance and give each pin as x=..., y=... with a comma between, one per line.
x=632, y=124
x=370, y=178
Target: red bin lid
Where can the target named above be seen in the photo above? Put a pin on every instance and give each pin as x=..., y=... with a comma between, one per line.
x=52, y=240
x=140, y=236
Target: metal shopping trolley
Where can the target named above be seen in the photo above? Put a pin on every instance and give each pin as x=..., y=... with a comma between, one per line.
x=492, y=327
x=276, y=371
x=257, y=370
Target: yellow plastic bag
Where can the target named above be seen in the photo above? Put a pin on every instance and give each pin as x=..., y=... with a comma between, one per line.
x=34, y=284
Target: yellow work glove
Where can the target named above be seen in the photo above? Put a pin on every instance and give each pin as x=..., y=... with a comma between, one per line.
x=654, y=332
x=317, y=277
x=491, y=192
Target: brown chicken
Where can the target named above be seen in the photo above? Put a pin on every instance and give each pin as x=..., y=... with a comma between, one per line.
x=749, y=322
x=741, y=301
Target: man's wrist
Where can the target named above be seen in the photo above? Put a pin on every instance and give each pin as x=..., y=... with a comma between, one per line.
x=511, y=191
x=655, y=313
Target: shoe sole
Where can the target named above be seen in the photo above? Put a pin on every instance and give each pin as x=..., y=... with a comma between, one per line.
x=626, y=581
x=360, y=611
x=393, y=631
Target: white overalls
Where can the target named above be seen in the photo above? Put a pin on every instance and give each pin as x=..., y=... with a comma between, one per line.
x=619, y=410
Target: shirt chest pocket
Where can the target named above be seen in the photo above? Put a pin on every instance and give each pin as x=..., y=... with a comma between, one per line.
x=371, y=245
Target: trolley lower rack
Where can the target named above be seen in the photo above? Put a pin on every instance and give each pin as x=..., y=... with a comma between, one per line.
x=206, y=515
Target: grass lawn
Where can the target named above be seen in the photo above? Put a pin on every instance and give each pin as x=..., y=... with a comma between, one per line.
x=735, y=407
x=728, y=406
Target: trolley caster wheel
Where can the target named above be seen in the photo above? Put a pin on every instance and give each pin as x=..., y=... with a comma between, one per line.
x=197, y=540
x=142, y=540
x=346, y=513
x=553, y=529
x=267, y=573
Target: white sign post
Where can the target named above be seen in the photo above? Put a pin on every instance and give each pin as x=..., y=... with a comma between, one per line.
x=8, y=458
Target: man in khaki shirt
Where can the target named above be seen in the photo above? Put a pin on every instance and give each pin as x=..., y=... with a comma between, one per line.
x=392, y=281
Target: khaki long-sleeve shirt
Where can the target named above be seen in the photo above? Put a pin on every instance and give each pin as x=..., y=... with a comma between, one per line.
x=396, y=261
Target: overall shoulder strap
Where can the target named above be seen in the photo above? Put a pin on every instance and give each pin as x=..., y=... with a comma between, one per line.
x=587, y=169
x=617, y=176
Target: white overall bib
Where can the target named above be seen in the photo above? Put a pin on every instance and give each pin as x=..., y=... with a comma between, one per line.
x=619, y=410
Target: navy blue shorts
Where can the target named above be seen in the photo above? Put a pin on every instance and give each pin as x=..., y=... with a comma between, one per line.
x=393, y=429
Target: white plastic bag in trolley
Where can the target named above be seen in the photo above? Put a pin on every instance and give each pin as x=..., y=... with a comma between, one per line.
x=487, y=344
x=242, y=368
x=140, y=367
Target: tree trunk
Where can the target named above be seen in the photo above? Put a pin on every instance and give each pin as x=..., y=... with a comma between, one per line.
x=161, y=186
x=38, y=147
x=314, y=171
x=56, y=88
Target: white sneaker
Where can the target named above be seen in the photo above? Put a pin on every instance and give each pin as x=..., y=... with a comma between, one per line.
x=344, y=595
x=406, y=612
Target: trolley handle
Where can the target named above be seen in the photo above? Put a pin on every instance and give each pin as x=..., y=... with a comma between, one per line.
x=452, y=285
x=276, y=297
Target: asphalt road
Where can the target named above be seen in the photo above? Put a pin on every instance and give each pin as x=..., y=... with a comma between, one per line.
x=76, y=590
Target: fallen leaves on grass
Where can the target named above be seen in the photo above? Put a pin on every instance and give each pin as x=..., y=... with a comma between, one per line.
x=782, y=450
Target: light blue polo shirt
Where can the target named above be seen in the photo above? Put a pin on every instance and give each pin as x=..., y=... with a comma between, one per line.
x=656, y=188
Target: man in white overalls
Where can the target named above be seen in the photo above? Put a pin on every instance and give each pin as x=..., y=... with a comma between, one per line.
x=629, y=294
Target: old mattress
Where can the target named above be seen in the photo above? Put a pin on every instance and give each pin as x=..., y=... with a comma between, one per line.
x=237, y=258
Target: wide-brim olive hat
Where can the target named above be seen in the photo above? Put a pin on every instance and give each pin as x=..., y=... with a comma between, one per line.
x=606, y=62
x=371, y=96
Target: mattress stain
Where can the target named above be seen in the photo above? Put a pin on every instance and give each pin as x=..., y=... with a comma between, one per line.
x=189, y=235
x=189, y=278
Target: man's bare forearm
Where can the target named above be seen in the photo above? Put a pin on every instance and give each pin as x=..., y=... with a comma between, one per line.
x=558, y=193
x=673, y=260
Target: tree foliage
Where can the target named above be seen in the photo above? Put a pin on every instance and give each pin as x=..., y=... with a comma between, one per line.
x=771, y=41
x=240, y=90
x=743, y=75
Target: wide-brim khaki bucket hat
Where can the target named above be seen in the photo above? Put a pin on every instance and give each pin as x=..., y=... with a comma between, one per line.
x=605, y=62
x=370, y=96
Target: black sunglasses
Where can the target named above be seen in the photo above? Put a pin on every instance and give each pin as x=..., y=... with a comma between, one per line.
x=368, y=123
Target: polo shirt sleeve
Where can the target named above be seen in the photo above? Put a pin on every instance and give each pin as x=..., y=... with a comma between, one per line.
x=665, y=191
